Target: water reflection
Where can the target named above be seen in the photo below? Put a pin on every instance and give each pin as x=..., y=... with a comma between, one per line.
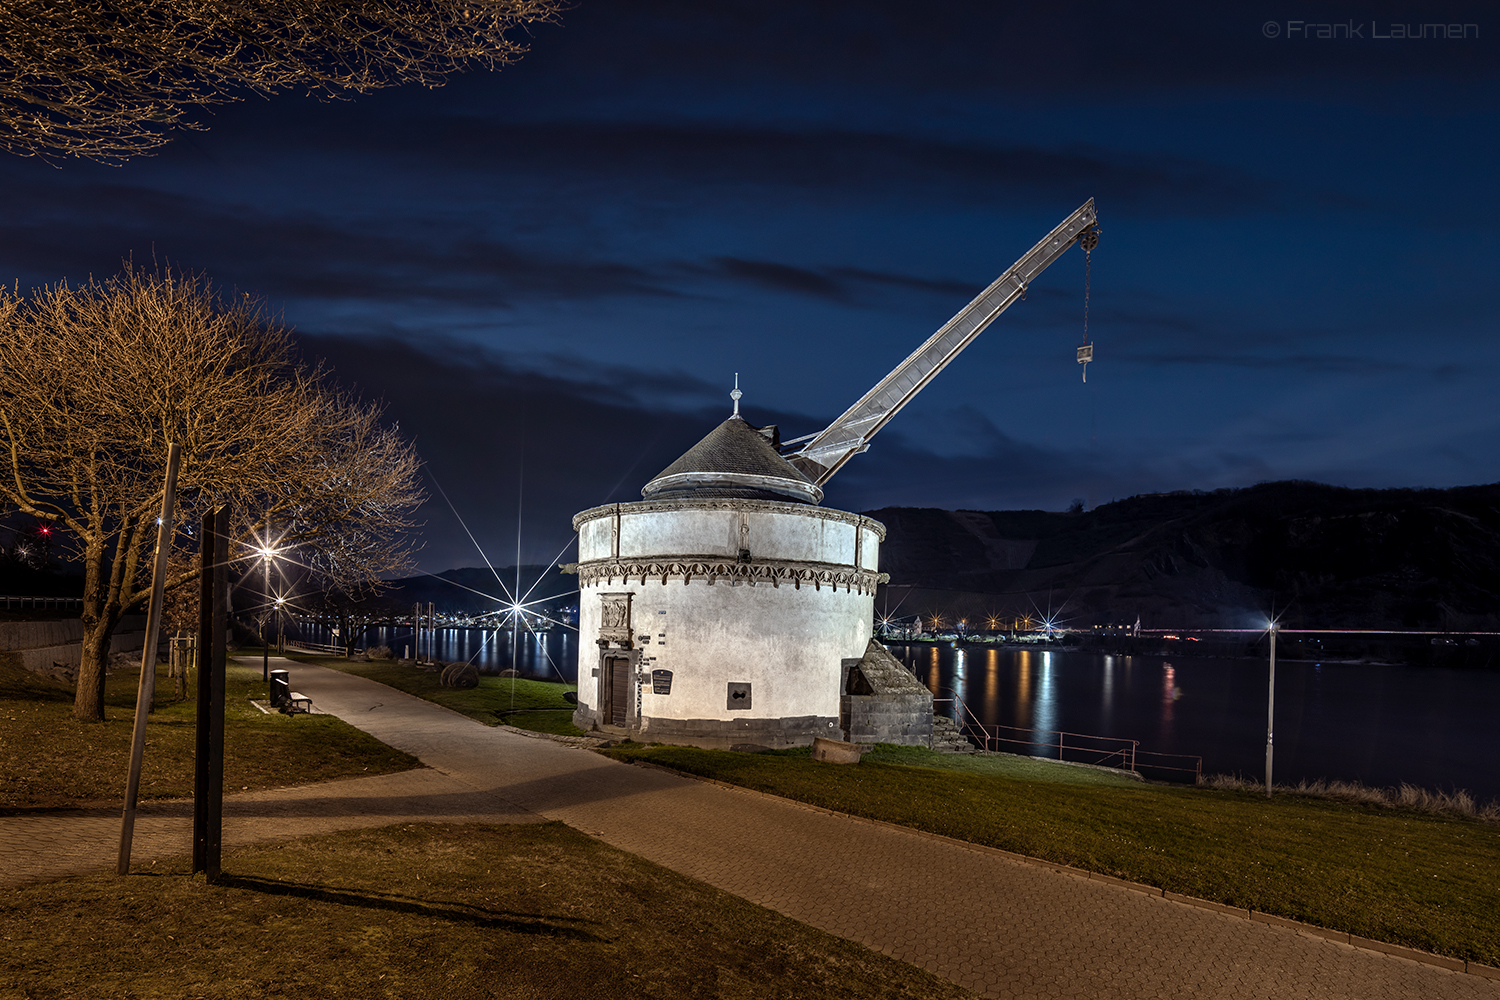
x=1044, y=710
x=544, y=655
x=1023, y=690
x=1378, y=724
x=1169, y=696
x=989, y=705
x=1107, y=690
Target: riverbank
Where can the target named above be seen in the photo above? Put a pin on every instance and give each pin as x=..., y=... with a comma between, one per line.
x=1394, y=875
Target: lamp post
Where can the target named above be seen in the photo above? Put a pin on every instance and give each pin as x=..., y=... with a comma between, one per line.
x=265, y=639
x=1271, y=709
x=266, y=643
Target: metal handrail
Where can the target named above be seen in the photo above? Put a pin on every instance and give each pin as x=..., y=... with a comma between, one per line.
x=39, y=601
x=315, y=647
x=1126, y=755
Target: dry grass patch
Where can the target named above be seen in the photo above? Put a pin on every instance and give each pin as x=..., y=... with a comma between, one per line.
x=54, y=761
x=1403, y=796
x=429, y=910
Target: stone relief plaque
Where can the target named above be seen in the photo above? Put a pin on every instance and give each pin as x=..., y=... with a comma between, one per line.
x=614, y=618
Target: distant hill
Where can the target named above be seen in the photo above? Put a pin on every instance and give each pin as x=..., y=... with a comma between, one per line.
x=1329, y=556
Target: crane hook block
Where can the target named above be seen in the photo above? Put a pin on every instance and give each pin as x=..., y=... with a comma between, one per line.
x=1085, y=354
x=1089, y=239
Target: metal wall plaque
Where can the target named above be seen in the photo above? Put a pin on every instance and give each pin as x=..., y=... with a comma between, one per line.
x=661, y=682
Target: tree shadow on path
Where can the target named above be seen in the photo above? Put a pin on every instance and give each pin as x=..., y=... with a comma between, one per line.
x=477, y=916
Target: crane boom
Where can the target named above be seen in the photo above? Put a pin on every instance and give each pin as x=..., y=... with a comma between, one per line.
x=826, y=451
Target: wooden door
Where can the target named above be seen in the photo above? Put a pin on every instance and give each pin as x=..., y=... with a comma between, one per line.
x=618, y=668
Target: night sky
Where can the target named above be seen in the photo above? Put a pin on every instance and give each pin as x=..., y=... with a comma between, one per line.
x=552, y=273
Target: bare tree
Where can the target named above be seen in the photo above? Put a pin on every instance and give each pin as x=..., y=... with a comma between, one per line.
x=96, y=380
x=108, y=80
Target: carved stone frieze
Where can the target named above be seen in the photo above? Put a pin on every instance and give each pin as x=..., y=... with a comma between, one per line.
x=718, y=569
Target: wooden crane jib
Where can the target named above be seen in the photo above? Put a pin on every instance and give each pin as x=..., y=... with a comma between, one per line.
x=824, y=453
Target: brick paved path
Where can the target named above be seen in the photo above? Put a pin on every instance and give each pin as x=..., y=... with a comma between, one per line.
x=996, y=925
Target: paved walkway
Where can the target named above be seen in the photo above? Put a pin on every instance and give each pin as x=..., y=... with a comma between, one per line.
x=1001, y=927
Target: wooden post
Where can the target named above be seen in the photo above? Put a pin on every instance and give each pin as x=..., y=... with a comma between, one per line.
x=208, y=778
x=146, y=693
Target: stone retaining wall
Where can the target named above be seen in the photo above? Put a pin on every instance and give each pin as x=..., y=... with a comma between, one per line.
x=54, y=649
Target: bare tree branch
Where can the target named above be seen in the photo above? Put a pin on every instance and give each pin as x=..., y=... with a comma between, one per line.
x=100, y=378
x=109, y=80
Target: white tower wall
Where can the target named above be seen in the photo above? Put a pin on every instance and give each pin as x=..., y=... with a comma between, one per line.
x=764, y=596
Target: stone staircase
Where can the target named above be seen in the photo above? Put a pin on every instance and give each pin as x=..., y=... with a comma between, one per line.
x=947, y=739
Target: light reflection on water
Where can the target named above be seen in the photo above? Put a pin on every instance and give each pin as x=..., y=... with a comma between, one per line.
x=1378, y=724
x=1044, y=710
x=545, y=656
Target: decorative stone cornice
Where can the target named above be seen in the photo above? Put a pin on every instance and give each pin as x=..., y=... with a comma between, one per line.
x=728, y=504
x=717, y=569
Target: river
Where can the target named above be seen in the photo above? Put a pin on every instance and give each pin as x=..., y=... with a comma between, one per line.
x=1380, y=724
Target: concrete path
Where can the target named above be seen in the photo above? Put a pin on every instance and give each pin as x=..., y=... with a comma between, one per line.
x=1001, y=927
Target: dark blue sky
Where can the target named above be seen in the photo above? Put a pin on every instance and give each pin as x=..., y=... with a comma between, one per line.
x=559, y=268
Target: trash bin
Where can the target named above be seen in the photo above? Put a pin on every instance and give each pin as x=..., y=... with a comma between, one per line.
x=281, y=688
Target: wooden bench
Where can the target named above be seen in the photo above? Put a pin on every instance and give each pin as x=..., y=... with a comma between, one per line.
x=296, y=702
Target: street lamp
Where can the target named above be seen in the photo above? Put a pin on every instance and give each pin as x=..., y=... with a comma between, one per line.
x=1271, y=706
x=266, y=555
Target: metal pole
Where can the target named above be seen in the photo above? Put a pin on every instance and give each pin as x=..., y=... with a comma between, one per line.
x=265, y=619
x=208, y=778
x=1270, y=710
x=146, y=693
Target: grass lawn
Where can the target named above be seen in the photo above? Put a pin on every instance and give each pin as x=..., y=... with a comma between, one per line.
x=1430, y=882
x=515, y=701
x=428, y=910
x=52, y=761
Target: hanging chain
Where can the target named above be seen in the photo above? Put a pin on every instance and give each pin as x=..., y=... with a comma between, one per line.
x=1088, y=270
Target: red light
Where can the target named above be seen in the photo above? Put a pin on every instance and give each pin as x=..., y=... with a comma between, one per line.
x=46, y=529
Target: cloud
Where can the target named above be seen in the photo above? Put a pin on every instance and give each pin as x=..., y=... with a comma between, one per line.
x=671, y=159
x=300, y=252
x=841, y=284
x=1309, y=363
x=782, y=277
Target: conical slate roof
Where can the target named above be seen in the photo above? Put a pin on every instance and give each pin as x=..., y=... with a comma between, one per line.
x=733, y=460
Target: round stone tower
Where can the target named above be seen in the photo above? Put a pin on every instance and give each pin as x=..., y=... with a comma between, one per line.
x=719, y=609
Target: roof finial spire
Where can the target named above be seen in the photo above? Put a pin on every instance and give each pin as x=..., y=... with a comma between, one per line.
x=736, y=394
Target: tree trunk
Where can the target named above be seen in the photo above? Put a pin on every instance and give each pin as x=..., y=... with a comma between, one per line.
x=98, y=628
x=88, y=701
